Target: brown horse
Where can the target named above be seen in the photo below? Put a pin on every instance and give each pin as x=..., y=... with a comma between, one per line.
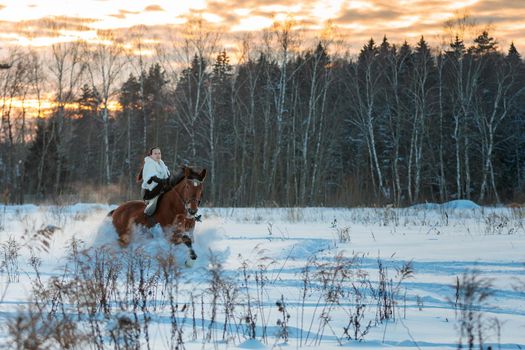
x=176, y=210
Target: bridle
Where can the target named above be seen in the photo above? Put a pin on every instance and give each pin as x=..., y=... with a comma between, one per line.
x=187, y=202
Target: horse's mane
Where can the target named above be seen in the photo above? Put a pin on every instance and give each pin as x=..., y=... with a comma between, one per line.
x=177, y=177
x=194, y=175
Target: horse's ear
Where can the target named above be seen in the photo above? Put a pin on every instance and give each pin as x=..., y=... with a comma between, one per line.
x=187, y=172
x=202, y=175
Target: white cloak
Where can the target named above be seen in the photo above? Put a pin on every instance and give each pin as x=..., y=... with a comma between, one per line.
x=152, y=168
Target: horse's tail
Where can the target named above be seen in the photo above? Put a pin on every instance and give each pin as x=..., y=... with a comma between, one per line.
x=111, y=212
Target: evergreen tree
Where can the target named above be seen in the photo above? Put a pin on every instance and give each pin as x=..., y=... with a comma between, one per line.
x=156, y=105
x=41, y=162
x=485, y=44
x=87, y=140
x=513, y=56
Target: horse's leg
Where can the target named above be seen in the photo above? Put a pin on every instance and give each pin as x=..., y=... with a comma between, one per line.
x=125, y=235
x=187, y=241
x=124, y=240
x=189, y=227
x=179, y=237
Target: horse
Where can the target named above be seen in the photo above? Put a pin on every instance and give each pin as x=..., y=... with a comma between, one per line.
x=176, y=211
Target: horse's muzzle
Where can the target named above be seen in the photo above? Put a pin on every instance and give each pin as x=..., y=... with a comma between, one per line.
x=192, y=212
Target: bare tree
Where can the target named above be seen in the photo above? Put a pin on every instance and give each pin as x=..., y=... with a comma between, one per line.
x=365, y=90
x=66, y=69
x=465, y=76
x=319, y=83
x=440, y=68
x=105, y=64
x=244, y=94
x=396, y=66
x=492, y=107
x=286, y=41
x=423, y=65
x=37, y=82
x=14, y=88
x=200, y=42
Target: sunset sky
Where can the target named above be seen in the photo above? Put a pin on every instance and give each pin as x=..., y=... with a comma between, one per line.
x=27, y=22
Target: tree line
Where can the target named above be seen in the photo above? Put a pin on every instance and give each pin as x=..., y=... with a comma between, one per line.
x=394, y=124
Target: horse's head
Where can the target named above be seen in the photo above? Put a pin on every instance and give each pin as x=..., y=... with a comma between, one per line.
x=190, y=189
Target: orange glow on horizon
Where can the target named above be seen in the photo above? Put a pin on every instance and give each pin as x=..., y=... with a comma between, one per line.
x=42, y=108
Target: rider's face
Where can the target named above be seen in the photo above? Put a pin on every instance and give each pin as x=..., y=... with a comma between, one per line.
x=156, y=155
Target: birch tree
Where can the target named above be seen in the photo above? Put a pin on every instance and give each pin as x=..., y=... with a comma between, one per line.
x=365, y=89
x=66, y=69
x=496, y=98
x=421, y=81
x=286, y=40
x=105, y=63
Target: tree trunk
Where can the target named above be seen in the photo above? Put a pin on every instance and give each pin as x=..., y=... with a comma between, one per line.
x=105, y=119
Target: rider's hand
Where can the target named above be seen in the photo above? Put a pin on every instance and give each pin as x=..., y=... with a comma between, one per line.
x=153, y=178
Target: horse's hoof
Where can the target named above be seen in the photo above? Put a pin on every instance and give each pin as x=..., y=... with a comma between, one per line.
x=124, y=240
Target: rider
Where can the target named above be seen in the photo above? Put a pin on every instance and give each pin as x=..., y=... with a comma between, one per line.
x=155, y=177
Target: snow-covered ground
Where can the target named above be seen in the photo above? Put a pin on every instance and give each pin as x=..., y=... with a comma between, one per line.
x=265, y=278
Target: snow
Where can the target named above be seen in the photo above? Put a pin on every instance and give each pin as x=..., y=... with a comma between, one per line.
x=460, y=204
x=455, y=204
x=252, y=344
x=276, y=248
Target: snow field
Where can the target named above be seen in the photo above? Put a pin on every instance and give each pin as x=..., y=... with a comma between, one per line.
x=265, y=255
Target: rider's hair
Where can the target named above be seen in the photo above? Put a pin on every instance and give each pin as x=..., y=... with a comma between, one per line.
x=150, y=152
x=152, y=149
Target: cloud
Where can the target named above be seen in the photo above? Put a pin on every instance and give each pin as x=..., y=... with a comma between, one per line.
x=234, y=11
x=498, y=5
x=352, y=15
x=122, y=14
x=50, y=26
x=153, y=8
x=498, y=14
x=357, y=20
x=118, y=15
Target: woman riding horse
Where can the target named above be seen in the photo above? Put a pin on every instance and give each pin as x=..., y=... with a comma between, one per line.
x=154, y=176
x=176, y=208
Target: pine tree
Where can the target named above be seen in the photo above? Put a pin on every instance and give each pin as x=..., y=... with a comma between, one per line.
x=485, y=44
x=156, y=105
x=513, y=56
x=41, y=161
x=457, y=48
x=85, y=152
x=129, y=97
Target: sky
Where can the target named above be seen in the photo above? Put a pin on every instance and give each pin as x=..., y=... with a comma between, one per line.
x=41, y=22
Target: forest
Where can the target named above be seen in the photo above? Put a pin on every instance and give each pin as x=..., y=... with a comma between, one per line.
x=285, y=125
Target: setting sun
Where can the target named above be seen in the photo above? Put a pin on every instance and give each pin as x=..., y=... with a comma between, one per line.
x=43, y=107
